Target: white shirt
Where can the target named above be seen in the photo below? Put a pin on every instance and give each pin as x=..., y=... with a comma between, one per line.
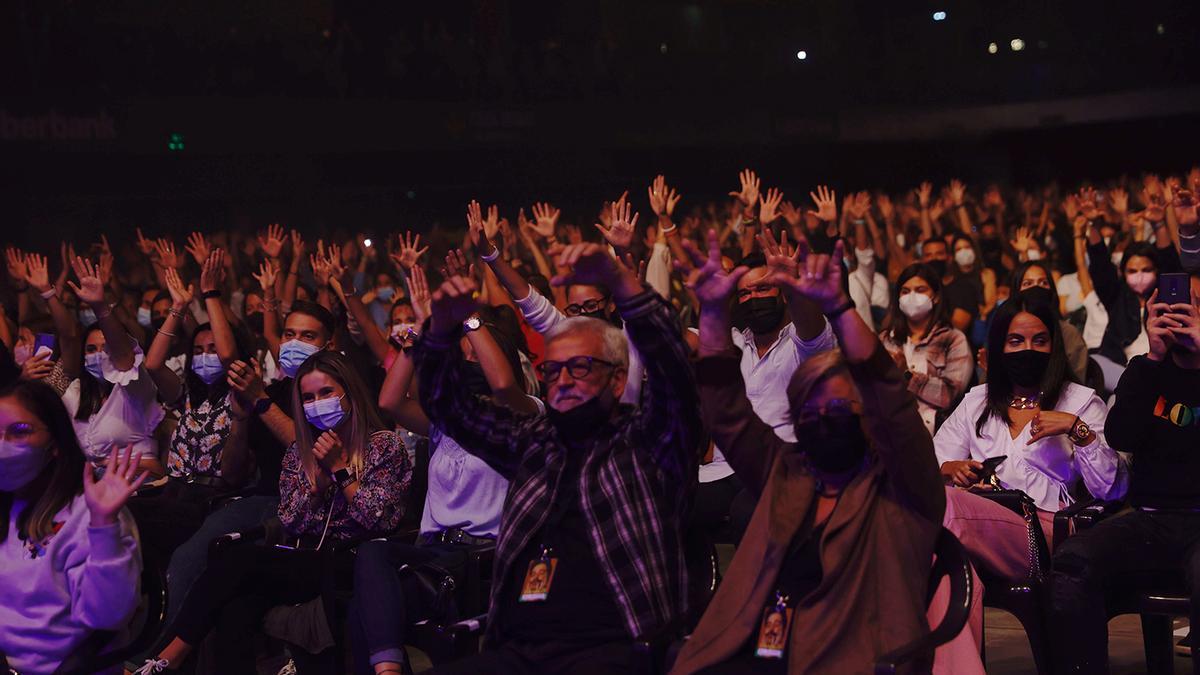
x=1097, y=321
x=717, y=469
x=1047, y=469
x=542, y=316
x=868, y=289
x=464, y=492
x=127, y=417
x=1069, y=288
x=767, y=377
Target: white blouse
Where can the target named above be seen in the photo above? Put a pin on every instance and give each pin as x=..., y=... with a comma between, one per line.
x=128, y=416
x=1047, y=469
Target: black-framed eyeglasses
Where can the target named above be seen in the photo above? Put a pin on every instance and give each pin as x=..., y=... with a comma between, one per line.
x=578, y=366
x=587, y=306
x=20, y=431
x=834, y=407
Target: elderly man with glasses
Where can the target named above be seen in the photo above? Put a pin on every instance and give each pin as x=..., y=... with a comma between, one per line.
x=599, y=491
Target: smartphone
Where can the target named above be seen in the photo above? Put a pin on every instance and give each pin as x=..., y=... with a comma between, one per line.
x=1174, y=288
x=49, y=341
x=989, y=468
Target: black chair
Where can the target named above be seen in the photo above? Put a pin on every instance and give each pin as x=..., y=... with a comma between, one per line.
x=951, y=562
x=92, y=656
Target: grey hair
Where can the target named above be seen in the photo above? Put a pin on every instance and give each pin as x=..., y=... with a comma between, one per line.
x=615, y=346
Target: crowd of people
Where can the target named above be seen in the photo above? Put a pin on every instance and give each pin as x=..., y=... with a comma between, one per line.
x=824, y=385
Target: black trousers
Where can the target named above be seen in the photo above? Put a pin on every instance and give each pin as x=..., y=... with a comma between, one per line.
x=545, y=658
x=235, y=592
x=170, y=516
x=1152, y=546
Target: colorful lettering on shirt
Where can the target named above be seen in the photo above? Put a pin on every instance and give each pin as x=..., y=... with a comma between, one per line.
x=1178, y=414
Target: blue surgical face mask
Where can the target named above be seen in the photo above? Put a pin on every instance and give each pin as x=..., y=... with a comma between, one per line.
x=86, y=316
x=94, y=363
x=326, y=413
x=208, y=367
x=293, y=354
x=144, y=317
x=385, y=293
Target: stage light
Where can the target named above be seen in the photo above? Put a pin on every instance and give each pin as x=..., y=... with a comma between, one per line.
x=367, y=243
x=1160, y=29
x=939, y=16
x=802, y=55
x=992, y=48
x=1017, y=44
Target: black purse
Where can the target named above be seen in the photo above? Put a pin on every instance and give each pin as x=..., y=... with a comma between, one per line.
x=1021, y=504
x=437, y=584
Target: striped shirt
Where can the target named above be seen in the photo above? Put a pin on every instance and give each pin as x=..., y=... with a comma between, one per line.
x=638, y=477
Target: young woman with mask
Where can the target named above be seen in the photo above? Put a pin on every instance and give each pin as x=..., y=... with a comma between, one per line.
x=208, y=453
x=852, y=509
x=972, y=291
x=345, y=478
x=934, y=355
x=463, y=503
x=113, y=401
x=1034, y=278
x=1050, y=429
x=69, y=559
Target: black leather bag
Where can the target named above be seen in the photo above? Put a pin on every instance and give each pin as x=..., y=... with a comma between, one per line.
x=1021, y=504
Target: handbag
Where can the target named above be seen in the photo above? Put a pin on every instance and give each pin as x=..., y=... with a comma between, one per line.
x=1021, y=504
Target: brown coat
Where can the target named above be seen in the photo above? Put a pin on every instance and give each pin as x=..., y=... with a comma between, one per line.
x=878, y=542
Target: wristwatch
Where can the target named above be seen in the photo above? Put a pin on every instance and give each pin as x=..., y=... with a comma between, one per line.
x=1079, y=431
x=473, y=322
x=262, y=405
x=343, y=477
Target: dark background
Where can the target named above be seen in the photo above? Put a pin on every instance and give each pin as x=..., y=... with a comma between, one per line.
x=373, y=115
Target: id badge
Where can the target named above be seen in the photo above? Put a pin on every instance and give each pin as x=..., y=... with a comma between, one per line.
x=773, y=629
x=539, y=576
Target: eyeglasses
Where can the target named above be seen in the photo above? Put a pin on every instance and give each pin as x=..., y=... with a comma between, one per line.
x=20, y=431
x=587, y=307
x=834, y=407
x=579, y=367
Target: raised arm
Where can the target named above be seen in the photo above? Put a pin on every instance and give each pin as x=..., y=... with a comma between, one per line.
x=1080, y=244
x=169, y=385
x=91, y=290
x=958, y=193
x=70, y=344
x=395, y=395
x=211, y=277
x=266, y=278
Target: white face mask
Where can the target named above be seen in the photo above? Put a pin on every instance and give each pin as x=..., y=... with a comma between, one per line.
x=964, y=257
x=1033, y=254
x=865, y=258
x=1141, y=282
x=20, y=464
x=94, y=363
x=916, y=306
x=144, y=317
x=900, y=240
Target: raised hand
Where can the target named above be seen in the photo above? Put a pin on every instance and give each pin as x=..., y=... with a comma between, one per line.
x=620, y=231
x=826, y=201
x=1087, y=203
x=410, y=251
x=37, y=272
x=958, y=191
x=662, y=198
x=418, y=286
x=271, y=243
x=748, y=195
x=16, y=263
x=781, y=259
x=884, y=202
x=37, y=367
x=181, y=296
x=146, y=246
x=1022, y=240
x=1070, y=205
x=246, y=381
x=587, y=264
x=708, y=278
x=457, y=264
x=297, y=246
x=199, y=247
x=790, y=213
x=1119, y=199
x=924, y=191
x=1185, y=209
x=491, y=224
x=266, y=276
x=90, y=288
x=452, y=303
x=858, y=205
x=105, y=497
x=768, y=208
x=167, y=257
x=320, y=264
x=545, y=218
x=213, y=272
x=818, y=277
x=105, y=267
x=574, y=234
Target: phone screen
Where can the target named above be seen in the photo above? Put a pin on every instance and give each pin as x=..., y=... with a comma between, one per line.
x=44, y=340
x=1174, y=288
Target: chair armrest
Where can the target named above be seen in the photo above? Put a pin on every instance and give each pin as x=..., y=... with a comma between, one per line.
x=1084, y=514
x=232, y=538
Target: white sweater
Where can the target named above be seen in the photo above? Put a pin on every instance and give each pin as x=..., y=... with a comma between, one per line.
x=53, y=595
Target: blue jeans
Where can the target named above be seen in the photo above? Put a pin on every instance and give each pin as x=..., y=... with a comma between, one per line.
x=190, y=559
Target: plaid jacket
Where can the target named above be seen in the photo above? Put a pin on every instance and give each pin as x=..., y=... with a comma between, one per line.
x=638, y=478
x=949, y=365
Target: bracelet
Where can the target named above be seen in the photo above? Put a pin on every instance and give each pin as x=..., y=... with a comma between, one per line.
x=858, y=221
x=49, y=293
x=839, y=310
x=749, y=220
x=210, y=295
x=270, y=305
x=491, y=256
x=163, y=332
x=177, y=313
x=669, y=230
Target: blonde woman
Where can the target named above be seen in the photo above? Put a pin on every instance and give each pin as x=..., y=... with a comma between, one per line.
x=346, y=477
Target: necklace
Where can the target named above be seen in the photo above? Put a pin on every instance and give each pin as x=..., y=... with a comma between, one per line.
x=1024, y=402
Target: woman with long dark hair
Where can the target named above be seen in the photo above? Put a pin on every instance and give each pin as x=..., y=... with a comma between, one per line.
x=934, y=355
x=346, y=477
x=69, y=560
x=1050, y=431
x=1035, y=279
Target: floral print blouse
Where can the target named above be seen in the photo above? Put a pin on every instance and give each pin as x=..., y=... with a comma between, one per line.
x=199, y=438
x=377, y=507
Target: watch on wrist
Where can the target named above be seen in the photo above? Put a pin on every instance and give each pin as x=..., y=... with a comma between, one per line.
x=262, y=405
x=472, y=323
x=1080, y=430
x=343, y=477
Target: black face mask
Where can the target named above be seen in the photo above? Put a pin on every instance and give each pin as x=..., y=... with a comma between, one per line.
x=835, y=443
x=255, y=322
x=1026, y=367
x=581, y=422
x=938, y=266
x=474, y=380
x=760, y=315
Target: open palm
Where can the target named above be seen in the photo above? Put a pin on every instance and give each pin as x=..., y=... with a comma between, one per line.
x=709, y=280
x=106, y=496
